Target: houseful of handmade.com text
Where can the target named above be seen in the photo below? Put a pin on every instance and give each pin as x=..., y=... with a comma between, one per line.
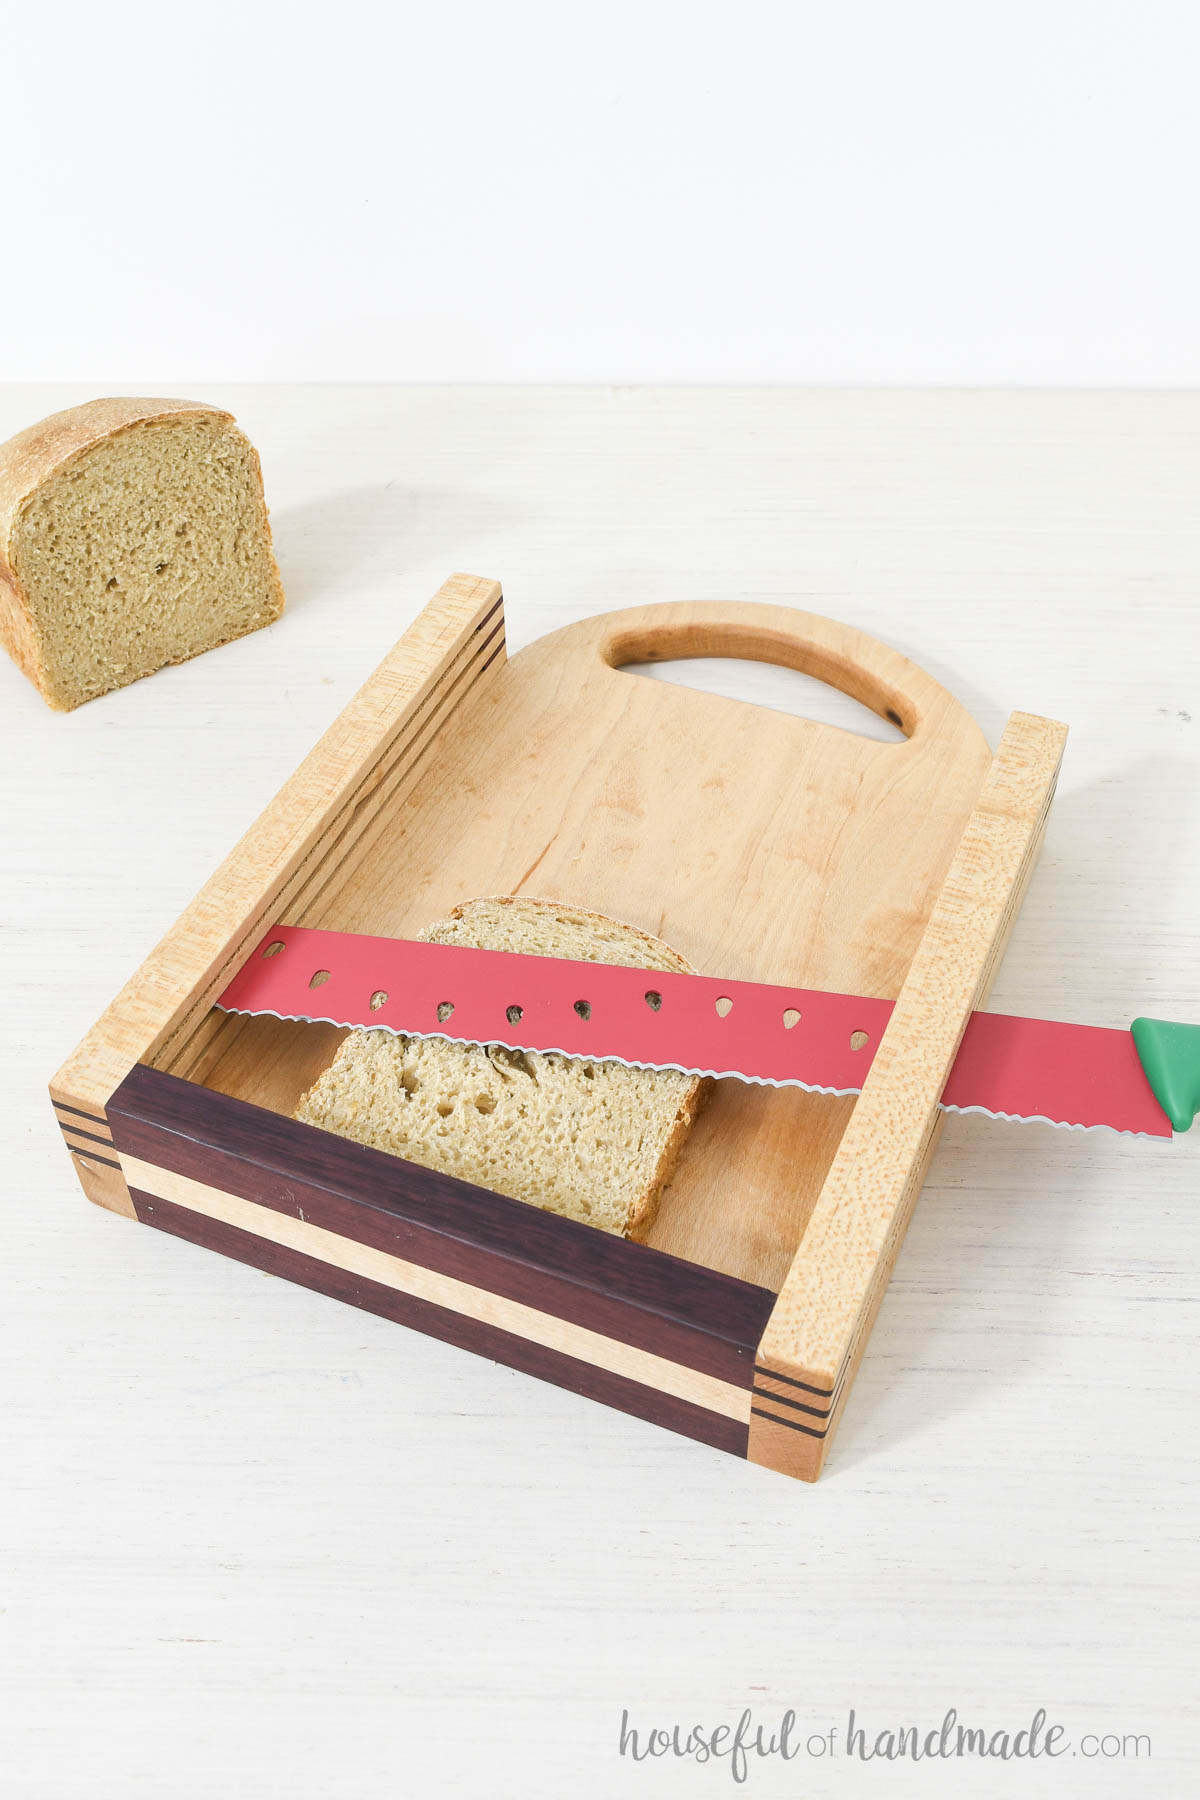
x=749, y=1741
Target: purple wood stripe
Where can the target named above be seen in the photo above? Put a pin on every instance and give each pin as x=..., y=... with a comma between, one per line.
x=455, y=1328
x=816, y=1412
x=792, y=1424
x=497, y=631
x=489, y=616
x=793, y=1381
x=61, y=1106
x=763, y=1391
x=640, y=1296
x=94, y=1156
x=66, y=1126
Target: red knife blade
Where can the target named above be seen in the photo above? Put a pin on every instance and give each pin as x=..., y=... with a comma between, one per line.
x=1015, y=1068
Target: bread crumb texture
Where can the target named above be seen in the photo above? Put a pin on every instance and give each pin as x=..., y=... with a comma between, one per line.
x=593, y=1141
x=144, y=547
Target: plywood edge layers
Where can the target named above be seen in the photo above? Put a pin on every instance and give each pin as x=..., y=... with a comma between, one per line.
x=403, y=703
x=818, y=1328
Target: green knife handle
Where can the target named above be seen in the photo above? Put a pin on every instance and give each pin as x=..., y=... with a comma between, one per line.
x=1170, y=1056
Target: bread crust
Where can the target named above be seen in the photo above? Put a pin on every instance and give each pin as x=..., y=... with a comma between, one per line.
x=42, y=450
x=646, y=1208
x=18, y=636
x=646, y=1211
x=534, y=904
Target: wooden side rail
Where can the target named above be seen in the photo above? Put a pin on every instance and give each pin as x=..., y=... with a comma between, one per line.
x=814, y=1339
x=456, y=642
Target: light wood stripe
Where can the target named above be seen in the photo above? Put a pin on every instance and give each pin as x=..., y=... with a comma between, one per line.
x=789, y=1404
x=101, y=1153
x=441, y=1290
x=807, y=1428
x=84, y=1123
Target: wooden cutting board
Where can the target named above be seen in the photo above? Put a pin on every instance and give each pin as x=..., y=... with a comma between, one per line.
x=762, y=846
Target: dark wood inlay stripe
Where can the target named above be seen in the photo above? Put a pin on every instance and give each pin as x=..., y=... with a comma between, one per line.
x=690, y=1315
x=792, y=1424
x=822, y=1393
x=93, y=1156
x=399, y=758
x=399, y=762
x=764, y=1378
x=89, y=1136
x=815, y=1412
x=497, y=631
x=489, y=616
x=467, y=1333
x=61, y=1106
x=412, y=743
x=478, y=650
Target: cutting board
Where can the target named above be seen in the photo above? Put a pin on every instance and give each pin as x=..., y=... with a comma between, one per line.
x=761, y=845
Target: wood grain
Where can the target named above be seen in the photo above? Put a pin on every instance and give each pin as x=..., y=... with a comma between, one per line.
x=482, y=1305
x=827, y=1305
x=376, y=1285
x=763, y=846
x=601, y=1286
x=760, y=845
x=170, y=997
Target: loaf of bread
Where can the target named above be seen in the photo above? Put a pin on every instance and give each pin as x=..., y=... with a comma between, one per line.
x=594, y=1141
x=133, y=533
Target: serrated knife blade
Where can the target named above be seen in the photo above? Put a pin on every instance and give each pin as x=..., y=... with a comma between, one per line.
x=1081, y=1076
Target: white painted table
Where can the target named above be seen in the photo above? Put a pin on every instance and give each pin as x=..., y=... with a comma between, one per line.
x=264, y=1544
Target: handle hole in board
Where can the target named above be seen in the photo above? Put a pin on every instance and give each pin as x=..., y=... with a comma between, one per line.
x=378, y=999
x=319, y=978
x=275, y=948
x=776, y=688
x=790, y=1018
x=445, y=1011
x=584, y=1009
x=724, y=1006
x=654, y=1000
x=514, y=1014
x=859, y=1040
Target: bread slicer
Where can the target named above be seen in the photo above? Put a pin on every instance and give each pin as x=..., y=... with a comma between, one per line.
x=792, y=861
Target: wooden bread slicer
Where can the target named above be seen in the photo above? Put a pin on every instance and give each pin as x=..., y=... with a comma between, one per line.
x=762, y=846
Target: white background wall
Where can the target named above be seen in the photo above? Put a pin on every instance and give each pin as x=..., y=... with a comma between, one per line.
x=858, y=192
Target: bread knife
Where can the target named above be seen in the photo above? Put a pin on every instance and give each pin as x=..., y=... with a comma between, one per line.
x=1144, y=1081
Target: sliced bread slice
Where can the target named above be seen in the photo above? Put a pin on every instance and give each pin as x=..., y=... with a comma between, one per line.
x=594, y=1141
x=133, y=533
